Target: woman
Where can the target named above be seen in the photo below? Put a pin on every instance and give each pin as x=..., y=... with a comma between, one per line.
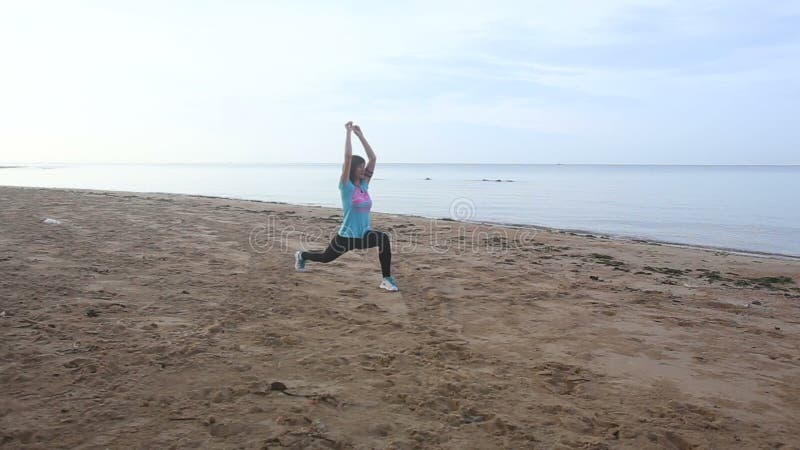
x=355, y=232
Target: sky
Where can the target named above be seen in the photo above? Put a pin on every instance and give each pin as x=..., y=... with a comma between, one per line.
x=571, y=82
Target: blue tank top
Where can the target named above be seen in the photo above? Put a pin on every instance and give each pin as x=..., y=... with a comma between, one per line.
x=356, y=205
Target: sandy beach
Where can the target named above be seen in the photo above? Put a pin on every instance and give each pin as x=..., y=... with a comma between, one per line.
x=169, y=321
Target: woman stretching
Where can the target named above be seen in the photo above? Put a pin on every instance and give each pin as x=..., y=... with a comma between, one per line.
x=355, y=232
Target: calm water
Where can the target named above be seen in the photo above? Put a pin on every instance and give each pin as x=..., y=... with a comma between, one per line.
x=740, y=207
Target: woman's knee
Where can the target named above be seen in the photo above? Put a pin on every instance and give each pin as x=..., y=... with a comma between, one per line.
x=334, y=250
x=383, y=240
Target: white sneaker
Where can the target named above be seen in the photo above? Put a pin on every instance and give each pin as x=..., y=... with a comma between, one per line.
x=389, y=284
x=299, y=262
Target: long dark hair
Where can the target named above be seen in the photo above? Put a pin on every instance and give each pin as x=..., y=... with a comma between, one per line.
x=355, y=161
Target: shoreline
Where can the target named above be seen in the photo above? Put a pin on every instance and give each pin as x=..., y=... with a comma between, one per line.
x=391, y=163
x=649, y=241
x=572, y=231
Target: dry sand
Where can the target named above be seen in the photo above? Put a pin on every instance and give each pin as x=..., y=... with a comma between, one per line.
x=157, y=321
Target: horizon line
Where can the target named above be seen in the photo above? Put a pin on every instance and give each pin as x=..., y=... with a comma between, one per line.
x=218, y=163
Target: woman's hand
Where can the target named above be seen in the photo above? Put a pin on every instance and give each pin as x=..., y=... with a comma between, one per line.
x=357, y=131
x=349, y=126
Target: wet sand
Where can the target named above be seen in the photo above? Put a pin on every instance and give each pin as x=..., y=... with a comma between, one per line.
x=158, y=321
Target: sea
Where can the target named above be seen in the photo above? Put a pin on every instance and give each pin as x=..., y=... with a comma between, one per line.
x=746, y=208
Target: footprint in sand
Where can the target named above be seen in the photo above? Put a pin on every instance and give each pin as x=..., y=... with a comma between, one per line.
x=351, y=293
x=368, y=307
x=562, y=379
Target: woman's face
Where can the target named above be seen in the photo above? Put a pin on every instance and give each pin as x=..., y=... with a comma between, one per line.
x=359, y=171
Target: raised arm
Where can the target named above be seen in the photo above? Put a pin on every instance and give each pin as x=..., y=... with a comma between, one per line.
x=370, y=154
x=348, y=153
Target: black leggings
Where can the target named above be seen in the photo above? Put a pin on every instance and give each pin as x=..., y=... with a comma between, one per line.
x=340, y=245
